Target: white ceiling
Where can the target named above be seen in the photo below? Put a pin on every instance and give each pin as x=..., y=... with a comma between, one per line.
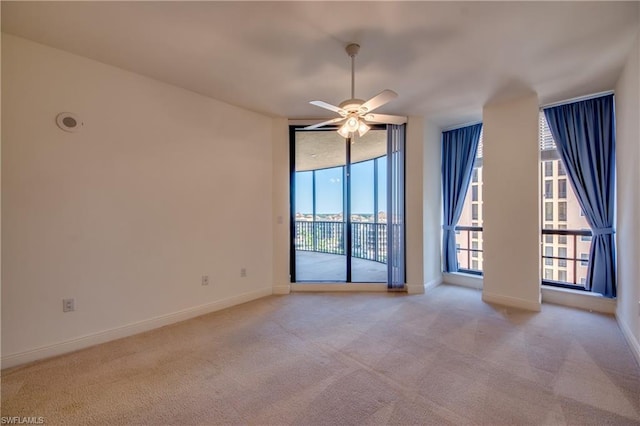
x=444, y=59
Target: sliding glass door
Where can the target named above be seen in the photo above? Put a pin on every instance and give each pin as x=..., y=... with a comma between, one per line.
x=319, y=200
x=339, y=204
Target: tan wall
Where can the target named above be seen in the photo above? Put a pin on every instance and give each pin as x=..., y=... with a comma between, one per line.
x=628, y=196
x=281, y=207
x=414, y=213
x=511, y=236
x=160, y=187
x=432, y=204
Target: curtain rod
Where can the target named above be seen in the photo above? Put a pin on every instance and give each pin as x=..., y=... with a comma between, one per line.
x=577, y=99
x=460, y=126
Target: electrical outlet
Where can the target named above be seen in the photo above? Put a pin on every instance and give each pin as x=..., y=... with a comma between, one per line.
x=205, y=280
x=243, y=272
x=68, y=305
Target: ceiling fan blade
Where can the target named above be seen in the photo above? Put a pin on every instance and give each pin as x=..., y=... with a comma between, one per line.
x=378, y=100
x=384, y=118
x=330, y=107
x=324, y=123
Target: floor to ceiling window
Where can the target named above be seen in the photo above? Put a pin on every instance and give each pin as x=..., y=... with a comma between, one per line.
x=469, y=227
x=339, y=207
x=566, y=236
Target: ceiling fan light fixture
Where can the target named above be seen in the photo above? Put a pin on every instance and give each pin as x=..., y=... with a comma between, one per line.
x=344, y=131
x=353, y=123
x=363, y=128
x=352, y=126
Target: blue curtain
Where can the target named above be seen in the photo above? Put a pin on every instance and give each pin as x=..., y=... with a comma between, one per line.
x=459, y=149
x=584, y=133
x=395, y=206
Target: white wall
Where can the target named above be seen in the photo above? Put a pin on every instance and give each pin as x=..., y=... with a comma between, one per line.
x=432, y=204
x=511, y=225
x=160, y=187
x=627, y=96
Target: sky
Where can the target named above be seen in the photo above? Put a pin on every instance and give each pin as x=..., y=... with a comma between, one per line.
x=329, y=189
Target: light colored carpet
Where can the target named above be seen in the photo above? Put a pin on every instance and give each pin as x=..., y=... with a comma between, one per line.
x=440, y=358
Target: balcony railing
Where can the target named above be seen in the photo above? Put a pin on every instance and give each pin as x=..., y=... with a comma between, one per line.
x=368, y=240
x=568, y=270
x=469, y=249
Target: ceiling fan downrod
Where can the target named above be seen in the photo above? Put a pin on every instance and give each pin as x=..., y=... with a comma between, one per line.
x=352, y=50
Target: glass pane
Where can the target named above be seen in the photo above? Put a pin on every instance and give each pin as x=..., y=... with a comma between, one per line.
x=472, y=216
x=319, y=234
x=362, y=191
x=368, y=207
x=328, y=195
x=560, y=211
x=304, y=195
x=382, y=189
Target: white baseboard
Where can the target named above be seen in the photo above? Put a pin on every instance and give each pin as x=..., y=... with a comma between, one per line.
x=513, y=302
x=631, y=339
x=433, y=283
x=324, y=287
x=578, y=299
x=60, y=348
x=282, y=289
x=464, y=280
x=415, y=288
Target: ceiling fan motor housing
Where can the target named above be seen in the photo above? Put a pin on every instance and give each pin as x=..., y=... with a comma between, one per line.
x=351, y=105
x=352, y=49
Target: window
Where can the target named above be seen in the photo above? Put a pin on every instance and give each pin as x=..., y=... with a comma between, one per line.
x=548, y=168
x=561, y=171
x=584, y=259
x=562, y=252
x=548, y=252
x=585, y=237
x=548, y=274
x=562, y=188
x=320, y=206
x=548, y=189
x=562, y=276
x=471, y=215
x=562, y=239
x=548, y=211
x=562, y=211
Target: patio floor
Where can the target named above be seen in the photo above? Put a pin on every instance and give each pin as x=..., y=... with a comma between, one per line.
x=323, y=267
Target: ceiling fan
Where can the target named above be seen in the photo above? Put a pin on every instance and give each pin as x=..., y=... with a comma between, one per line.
x=356, y=113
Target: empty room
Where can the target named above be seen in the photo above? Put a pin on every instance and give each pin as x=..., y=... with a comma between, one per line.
x=320, y=212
